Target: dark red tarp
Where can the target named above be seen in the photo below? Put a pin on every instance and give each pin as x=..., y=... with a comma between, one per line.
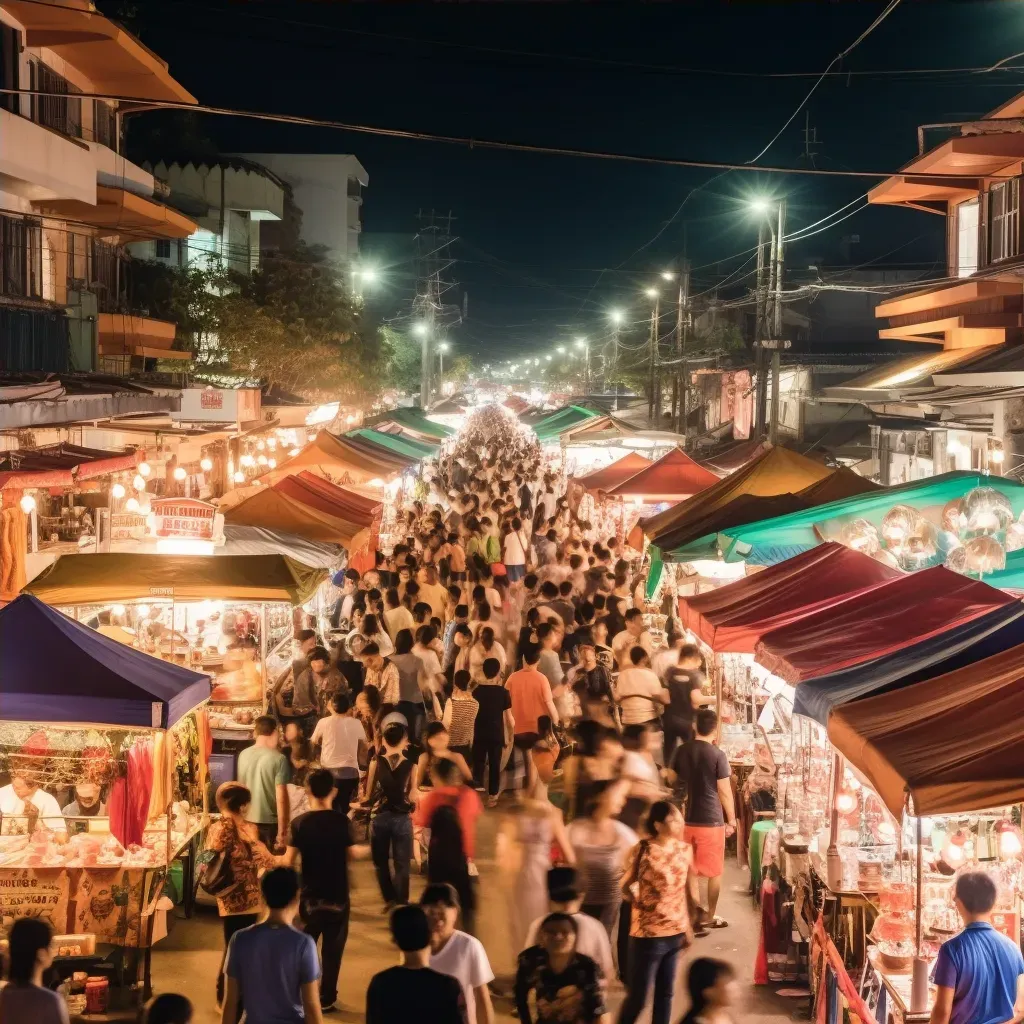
x=673, y=477
x=324, y=496
x=615, y=473
x=876, y=623
x=60, y=465
x=733, y=618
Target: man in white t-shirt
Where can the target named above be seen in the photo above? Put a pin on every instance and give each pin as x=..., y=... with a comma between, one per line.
x=516, y=546
x=341, y=742
x=639, y=691
x=634, y=635
x=592, y=939
x=456, y=953
x=23, y=804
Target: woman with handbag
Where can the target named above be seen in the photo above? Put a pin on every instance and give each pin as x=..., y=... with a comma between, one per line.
x=654, y=885
x=235, y=859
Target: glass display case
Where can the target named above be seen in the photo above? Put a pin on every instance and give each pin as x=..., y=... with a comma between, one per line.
x=739, y=741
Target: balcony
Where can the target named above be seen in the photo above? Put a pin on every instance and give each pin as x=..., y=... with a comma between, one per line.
x=122, y=215
x=128, y=336
x=40, y=164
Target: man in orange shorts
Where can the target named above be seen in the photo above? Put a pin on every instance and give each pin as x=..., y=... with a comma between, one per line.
x=705, y=776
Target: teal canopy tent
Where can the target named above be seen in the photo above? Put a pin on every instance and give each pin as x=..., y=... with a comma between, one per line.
x=551, y=427
x=416, y=450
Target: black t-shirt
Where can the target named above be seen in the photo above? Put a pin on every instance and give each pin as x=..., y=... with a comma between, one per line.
x=681, y=682
x=494, y=701
x=700, y=766
x=414, y=994
x=392, y=782
x=322, y=838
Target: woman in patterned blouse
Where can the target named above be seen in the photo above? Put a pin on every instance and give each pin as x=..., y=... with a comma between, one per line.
x=566, y=985
x=655, y=885
x=249, y=858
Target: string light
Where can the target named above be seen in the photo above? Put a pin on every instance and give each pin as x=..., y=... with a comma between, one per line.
x=239, y=477
x=138, y=483
x=131, y=505
x=206, y=465
x=144, y=469
x=117, y=491
x=28, y=504
x=179, y=473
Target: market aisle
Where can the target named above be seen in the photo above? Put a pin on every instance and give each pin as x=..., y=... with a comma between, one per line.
x=187, y=960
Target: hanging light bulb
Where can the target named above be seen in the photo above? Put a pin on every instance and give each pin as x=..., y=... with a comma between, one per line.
x=206, y=465
x=846, y=802
x=117, y=609
x=272, y=463
x=271, y=443
x=261, y=460
x=311, y=438
x=1009, y=840
x=179, y=473
x=28, y=504
x=143, y=610
x=239, y=477
x=131, y=505
x=145, y=469
x=260, y=445
x=117, y=491
x=294, y=451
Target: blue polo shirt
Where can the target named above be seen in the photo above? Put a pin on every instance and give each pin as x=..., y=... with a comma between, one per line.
x=981, y=966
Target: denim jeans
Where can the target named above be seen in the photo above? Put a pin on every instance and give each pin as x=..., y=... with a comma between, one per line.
x=391, y=837
x=652, y=963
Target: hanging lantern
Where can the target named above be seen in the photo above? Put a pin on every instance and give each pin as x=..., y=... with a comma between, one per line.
x=952, y=515
x=985, y=554
x=860, y=535
x=272, y=463
x=898, y=524
x=144, y=469
x=260, y=445
x=247, y=460
x=117, y=491
x=956, y=560
x=987, y=510
x=206, y=465
x=261, y=460
x=846, y=803
x=139, y=483
x=131, y=505
x=239, y=477
x=28, y=504
x=1015, y=537
x=179, y=473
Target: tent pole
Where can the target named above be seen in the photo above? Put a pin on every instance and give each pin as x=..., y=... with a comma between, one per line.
x=918, y=920
x=833, y=862
x=919, y=975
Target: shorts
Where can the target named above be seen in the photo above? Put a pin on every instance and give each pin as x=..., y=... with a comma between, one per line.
x=515, y=572
x=708, y=842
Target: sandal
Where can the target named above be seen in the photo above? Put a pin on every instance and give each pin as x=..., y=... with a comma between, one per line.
x=717, y=922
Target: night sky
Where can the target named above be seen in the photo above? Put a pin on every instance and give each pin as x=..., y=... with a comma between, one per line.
x=548, y=243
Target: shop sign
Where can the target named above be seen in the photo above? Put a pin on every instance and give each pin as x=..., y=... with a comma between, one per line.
x=219, y=405
x=182, y=517
x=127, y=526
x=26, y=893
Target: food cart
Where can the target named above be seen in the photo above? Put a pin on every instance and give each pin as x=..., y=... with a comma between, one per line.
x=221, y=616
x=132, y=732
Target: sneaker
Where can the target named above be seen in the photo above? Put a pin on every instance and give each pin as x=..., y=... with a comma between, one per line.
x=327, y=1008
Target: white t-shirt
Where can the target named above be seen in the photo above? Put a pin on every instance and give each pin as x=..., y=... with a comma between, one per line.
x=515, y=549
x=431, y=664
x=397, y=619
x=591, y=940
x=636, y=766
x=12, y=805
x=663, y=660
x=625, y=642
x=464, y=959
x=633, y=690
x=339, y=737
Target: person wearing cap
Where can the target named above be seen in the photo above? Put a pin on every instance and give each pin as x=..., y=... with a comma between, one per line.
x=565, y=897
x=457, y=953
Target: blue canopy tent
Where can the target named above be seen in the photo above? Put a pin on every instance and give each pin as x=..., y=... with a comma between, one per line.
x=971, y=641
x=53, y=669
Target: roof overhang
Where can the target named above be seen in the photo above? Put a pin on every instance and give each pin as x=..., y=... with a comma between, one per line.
x=123, y=214
x=111, y=57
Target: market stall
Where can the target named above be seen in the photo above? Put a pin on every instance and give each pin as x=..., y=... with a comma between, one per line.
x=674, y=477
x=340, y=460
x=106, y=754
x=613, y=474
x=222, y=616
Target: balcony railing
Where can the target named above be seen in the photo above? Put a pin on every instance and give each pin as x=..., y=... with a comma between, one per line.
x=62, y=113
x=21, y=257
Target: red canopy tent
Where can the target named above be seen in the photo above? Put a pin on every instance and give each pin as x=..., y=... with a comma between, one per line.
x=673, y=477
x=876, y=622
x=311, y=489
x=615, y=473
x=733, y=618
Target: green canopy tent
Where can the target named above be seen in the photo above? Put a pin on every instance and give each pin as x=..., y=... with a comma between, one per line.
x=411, y=419
x=551, y=427
x=773, y=540
x=416, y=450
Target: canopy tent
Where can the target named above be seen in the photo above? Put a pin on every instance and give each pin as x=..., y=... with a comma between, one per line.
x=292, y=506
x=615, y=473
x=411, y=419
x=876, y=622
x=58, y=670
x=62, y=465
x=553, y=426
x=950, y=744
x=781, y=537
x=346, y=503
x=341, y=459
x=673, y=477
x=95, y=579
x=734, y=617
x=972, y=641
x=732, y=455
x=775, y=471
x=403, y=446
x=255, y=540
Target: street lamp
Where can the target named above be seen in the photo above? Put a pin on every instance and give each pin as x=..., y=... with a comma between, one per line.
x=420, y=329
x=615, y=315
x=667, y=275
x=561, y=350
x=651, y=293
x=582, y=344
x=441, y=349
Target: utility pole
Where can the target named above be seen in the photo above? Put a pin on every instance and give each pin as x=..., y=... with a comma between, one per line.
x=434, y=315
x=760, y=333
x=779, y=256
x=682, y=336
x=615, y=364
x=652, y=358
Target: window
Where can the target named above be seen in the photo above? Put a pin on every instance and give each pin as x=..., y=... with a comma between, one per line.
x=1004, y=220
x=104, y=124
x=21, y=254
x=10, y=67
x=63, y=112
x=967, y=238
x=163, y=248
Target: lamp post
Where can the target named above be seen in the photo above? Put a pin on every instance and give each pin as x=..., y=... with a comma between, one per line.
x=423, y=332
x=441, y=349
x=652, y=351
x=615, y=316
x=582, y=343
x=769, y=310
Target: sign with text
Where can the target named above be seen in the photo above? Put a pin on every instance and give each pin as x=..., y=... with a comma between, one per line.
x=219, y=405
x=43, y=894
x=182, y=517
x=127, y=526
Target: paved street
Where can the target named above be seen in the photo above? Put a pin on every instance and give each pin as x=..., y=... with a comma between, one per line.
x=187, y=960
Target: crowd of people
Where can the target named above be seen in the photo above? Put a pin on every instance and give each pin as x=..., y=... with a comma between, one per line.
x=498, y=657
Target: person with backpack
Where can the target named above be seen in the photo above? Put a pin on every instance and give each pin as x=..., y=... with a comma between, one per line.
x=450, y=810
x=389, y=785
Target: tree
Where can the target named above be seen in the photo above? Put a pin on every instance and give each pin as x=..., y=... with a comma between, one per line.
x=403, y=355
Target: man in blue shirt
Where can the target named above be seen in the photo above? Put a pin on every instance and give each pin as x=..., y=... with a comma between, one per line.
x=979, y=973
x=272, y=968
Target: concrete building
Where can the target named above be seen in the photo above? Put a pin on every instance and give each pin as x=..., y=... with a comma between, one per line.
x=230, y=199
x=327, y=189
x=69, y=200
